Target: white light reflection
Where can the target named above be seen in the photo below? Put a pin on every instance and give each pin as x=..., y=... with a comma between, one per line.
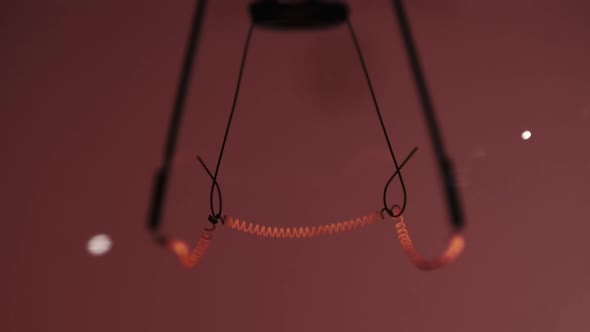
x=526, y=135
x=99, y=244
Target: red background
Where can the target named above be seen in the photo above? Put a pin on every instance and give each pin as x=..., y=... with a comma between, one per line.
x=87, y=89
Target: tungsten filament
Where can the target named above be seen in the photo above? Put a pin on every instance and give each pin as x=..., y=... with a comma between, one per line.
x=190, y=258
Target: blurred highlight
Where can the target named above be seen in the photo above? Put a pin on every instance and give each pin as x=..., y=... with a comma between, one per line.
x=99, y=245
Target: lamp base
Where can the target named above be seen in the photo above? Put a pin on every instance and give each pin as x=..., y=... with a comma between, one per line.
x=298, y=14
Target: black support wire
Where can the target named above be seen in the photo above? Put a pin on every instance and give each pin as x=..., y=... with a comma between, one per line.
x=444, y=164
x=163, y=174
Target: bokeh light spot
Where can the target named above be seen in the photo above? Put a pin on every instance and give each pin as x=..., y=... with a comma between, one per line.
x=99, y=244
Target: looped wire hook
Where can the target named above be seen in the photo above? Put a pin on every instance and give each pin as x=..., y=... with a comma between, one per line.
x=396, y=173
x=390, y=212
x=213, y=218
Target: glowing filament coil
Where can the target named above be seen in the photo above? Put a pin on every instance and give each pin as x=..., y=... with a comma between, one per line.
x=303, y=232
x=186, y=257
x=454, y=248
x=191, y=258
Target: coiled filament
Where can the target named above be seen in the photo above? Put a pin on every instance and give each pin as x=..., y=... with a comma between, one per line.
x=190, y=258
x=453, y=250
x=302, y=232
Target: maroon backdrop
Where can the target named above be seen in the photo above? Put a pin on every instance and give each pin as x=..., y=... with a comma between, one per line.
x=86, y=94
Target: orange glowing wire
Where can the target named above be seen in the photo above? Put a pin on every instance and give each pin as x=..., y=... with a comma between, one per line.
x=303, y=232
x=190, y=258
x=454, y=248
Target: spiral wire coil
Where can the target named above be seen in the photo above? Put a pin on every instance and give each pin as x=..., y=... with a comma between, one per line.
x=190, y=258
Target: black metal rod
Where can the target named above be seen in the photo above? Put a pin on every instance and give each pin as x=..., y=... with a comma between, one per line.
x=444, y=164
x=163, y=174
